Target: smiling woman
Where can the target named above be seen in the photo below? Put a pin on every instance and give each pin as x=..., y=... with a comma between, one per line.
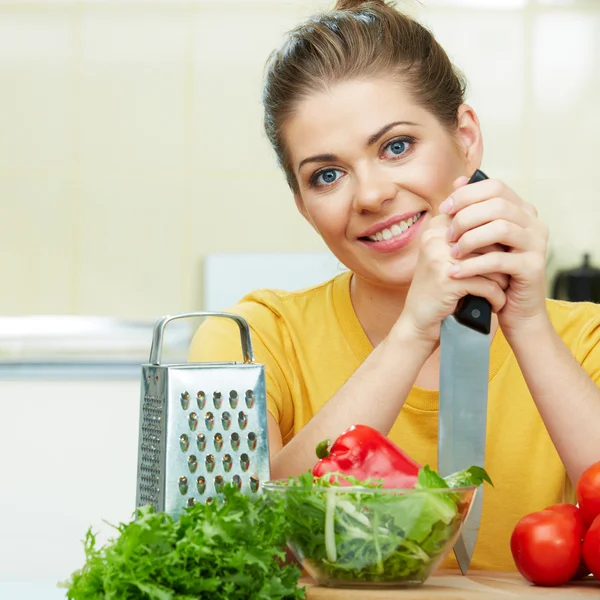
x=367, y=116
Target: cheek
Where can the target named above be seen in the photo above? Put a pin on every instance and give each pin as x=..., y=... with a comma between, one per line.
x=329, y=216
x=431, y=178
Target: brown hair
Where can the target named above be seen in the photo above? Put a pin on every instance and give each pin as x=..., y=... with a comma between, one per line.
x=357, y=40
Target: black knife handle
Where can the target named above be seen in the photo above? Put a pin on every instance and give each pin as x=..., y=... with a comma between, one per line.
x=473, y=311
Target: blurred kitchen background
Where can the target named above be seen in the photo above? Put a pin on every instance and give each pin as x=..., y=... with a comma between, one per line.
x=136, y=181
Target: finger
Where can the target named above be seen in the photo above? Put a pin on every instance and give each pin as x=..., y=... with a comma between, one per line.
x=492, y=248
x=515, y=264
x=440, y=222
x=481, y=213
x=460, y=182
x=478, y=192
x=484, y=288
x=496, y=232
x=500, y=278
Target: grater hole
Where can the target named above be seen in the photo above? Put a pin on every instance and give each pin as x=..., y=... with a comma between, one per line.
x=193, y=421
x=192, y=463
x=226, y=420
x=201, y=440
x=201, y=484
x=183, y=485
x=237, y=481
x=227, y=463
x=209, y=500
x=191, y=501
x=244, y=461
x=185, y=400
x=235, y=440
x=156, y=379
x=249, y=398
x=201, y=399
x=217, y=399
x=233, y=399
x=252, y=440
x=254, y=482
x=219, y=483
x=210, y=463
x=209, y=420
x=242, y=420
x=218, y=442
x=184, y=442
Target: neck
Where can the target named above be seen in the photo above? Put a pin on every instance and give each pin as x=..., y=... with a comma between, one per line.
x=377, y=307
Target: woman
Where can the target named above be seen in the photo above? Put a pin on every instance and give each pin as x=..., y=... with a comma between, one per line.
x=367, y=116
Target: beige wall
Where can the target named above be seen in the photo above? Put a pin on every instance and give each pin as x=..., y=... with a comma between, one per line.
x=131, y=142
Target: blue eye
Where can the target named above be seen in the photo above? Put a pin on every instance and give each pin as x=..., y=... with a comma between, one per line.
x=325, y=177
x=398, y=146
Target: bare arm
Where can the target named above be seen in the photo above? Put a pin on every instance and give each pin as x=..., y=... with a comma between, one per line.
x=377, y=390
x=567, y=398
x=373, y=396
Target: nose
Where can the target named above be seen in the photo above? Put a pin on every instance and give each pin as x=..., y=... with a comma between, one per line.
x=373, y=188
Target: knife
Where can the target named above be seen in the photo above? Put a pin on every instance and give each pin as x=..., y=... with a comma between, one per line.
x=464, y=371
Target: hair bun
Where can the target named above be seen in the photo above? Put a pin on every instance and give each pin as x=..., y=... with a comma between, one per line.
x=352, y=4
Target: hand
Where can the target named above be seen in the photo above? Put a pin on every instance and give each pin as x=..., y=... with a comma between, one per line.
x=434, y=293
x=489, y=212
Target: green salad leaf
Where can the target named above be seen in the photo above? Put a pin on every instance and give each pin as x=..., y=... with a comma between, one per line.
x=366, y=533
x=468, y=477
x=229, y=550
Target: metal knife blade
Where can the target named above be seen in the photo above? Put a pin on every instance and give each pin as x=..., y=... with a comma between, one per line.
x=464, y=371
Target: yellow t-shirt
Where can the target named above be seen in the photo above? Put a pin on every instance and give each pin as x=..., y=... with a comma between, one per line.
x=311, y=342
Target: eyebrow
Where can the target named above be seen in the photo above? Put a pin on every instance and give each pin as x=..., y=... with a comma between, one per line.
x=372, y=140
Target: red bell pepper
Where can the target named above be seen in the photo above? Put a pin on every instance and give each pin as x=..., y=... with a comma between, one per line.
x=364, y=453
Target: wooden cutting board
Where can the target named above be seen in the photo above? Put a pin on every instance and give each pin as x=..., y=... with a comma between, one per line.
x=480, y=585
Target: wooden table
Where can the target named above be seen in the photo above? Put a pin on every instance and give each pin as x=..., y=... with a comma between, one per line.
x=477, y=585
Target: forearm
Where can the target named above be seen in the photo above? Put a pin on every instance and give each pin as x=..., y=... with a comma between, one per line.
x=566, y=397
x=373, y=396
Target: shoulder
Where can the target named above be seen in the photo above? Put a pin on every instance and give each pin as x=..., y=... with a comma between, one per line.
x=574, y=321
x=566, y=315
x=265, y=305
x=269, y=312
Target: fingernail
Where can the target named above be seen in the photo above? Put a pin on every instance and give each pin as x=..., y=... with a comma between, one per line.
x=454, y=269
x=450, y=233
x=447, y=205
x=455, y=251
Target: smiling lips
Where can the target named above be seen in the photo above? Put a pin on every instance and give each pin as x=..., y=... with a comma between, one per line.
x=395, y=230
x=394, y=236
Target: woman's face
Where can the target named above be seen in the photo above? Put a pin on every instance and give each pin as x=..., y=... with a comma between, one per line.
x=372, y=169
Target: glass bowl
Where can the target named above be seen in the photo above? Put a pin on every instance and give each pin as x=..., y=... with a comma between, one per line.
x=373, y=537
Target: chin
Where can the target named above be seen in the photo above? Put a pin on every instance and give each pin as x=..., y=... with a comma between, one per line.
x=386, y=277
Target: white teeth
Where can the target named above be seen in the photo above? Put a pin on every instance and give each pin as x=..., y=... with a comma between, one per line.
x=395, y=229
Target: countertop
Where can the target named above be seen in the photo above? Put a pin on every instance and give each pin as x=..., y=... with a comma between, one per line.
x=478, y=585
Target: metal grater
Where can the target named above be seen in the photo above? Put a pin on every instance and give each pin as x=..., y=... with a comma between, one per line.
x=201, y=425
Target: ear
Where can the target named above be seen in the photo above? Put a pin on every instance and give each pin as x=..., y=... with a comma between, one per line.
x=469, y=137
x=303, y=211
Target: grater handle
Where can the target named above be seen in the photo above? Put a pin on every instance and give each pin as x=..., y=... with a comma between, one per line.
x=159, y=328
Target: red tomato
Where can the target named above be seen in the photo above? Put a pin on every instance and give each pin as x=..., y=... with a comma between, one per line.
x=591, y=548
x=572, y=511
x=588, y=493
x=546, y=547
x=582, y=572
